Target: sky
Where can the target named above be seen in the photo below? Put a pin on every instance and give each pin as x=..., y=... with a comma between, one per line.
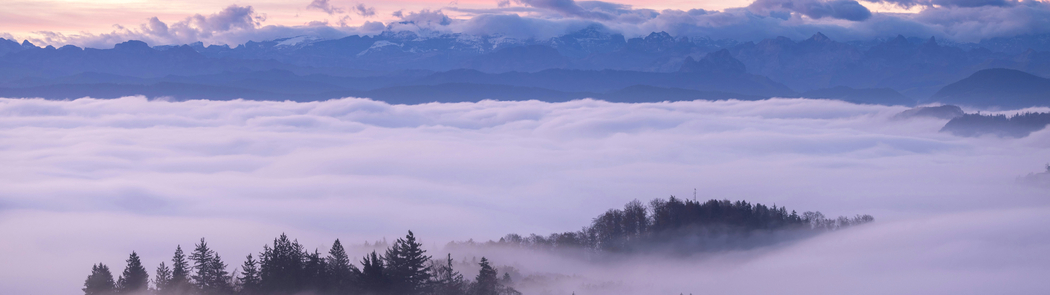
x=100, y=24
x=90, y=180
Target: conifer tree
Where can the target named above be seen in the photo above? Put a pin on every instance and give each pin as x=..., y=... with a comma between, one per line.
x=134, y=278
x=209, y=272
x=281, y=267
x=487, y=282
x=100, y=281
x=315, y=272
x=341, y=272
x=202, y=264
x=249, y=280
x=407, y=266
x=448, y=281
x=162, y=279
x=373, y=280
x=180, y=274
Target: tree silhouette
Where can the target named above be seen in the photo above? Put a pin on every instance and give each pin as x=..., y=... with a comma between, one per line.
x=100, y=281
x=281, y=267
x=373, y=280
x=248, y=283
x=210, y=275
x=406, y=265
x=486, y=283
x=162, y=278
x=342, y=273
x=448, y=281
x=180, y=274
x=134, y=278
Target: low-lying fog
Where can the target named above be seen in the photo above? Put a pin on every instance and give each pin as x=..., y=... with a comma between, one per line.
x=88, y=181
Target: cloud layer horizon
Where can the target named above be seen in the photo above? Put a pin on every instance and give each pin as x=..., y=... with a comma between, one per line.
x=848, y=20
x=91, y=180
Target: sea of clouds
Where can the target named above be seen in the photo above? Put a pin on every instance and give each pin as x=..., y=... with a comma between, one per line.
x=90, y=180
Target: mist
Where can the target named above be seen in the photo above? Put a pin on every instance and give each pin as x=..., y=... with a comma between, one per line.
x=90, y=180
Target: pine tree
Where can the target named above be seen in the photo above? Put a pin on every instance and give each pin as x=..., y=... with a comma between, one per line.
x=249, y=280
x=449, y=282
x=134, y=278
x=162, y=279
x=100, y=281
x=487, y=281
x=341, y=272
x=202, y=264
x=315, y=272
x=180, y=274
x=219, y=280
x=281, y=267
x=407, y=266
x=372, y=278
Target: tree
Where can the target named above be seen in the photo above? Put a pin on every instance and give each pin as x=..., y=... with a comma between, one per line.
x=162, y=278
x=180, y=274
x=134, y=278
x=407, y=266
x=372, y=278
x=281, y=267
x=341, y=272
x=202, y=263
x=486, y=283
x=100, y=281
x=249, y=280
x=210, y=275
x=315, y=272
x=449, y=281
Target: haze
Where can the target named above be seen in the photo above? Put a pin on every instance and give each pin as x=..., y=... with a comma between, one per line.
x=90, y=180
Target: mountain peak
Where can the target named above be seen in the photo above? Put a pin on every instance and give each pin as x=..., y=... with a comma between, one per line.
x=932, y=41
x=819, y=37
x=719, y=62
x=135, y=45
x=26, y=44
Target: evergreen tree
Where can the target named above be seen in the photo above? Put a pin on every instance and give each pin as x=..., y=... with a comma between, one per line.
x=202, y=263
x=249, y=280
x=407, y=266
x=219, y=280
x=372, y=278
x=487, y=281
x=448, y=281
x=100, y=281
x=341, y=272
x=180, y=274
x=281, y=267
x=209, y=272
x=162, y=279
x=134, y=278
x=315, y=272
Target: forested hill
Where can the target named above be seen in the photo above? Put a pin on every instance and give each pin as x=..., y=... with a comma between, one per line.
x=286, y=267
x=688, y=226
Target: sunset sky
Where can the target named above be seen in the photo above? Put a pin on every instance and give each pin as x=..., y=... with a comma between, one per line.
x=101, y=24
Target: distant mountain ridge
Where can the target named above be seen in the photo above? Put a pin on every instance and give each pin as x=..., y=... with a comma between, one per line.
x=1004, y=88
x=893, y=71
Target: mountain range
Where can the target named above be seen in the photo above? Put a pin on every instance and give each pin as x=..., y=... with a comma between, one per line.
x=593, y=62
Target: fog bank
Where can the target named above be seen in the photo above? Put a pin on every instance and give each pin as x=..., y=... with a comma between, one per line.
x=89, y=181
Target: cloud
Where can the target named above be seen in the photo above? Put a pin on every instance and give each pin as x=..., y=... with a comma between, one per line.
x=948, y=3
x=816, y=9
x=146, y=175
x=843, y=20
x=424, y=18
x=363, y=10
x=324, y=5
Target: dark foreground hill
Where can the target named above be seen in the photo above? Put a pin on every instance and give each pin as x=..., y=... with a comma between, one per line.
x=287, y=267
x=1017, y=126
x=1002, y=88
